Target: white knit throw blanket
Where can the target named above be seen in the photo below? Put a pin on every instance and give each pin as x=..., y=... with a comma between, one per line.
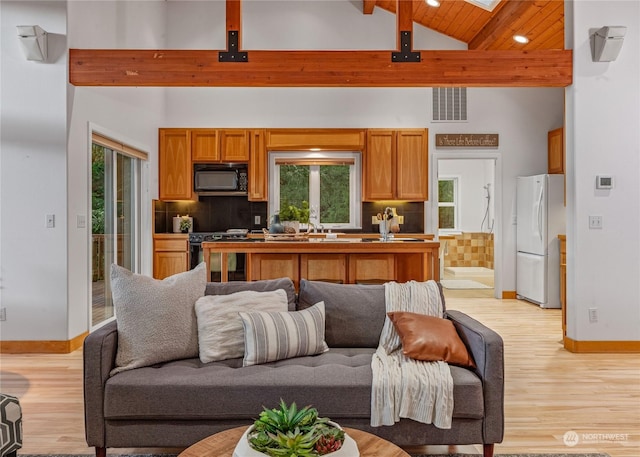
x=404, y=387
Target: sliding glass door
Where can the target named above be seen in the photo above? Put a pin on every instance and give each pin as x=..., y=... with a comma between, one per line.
x=115, y=203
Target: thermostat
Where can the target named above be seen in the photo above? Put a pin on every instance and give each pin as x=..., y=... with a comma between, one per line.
x=604, y=182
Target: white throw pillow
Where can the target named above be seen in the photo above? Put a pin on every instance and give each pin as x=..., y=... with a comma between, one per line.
x=156, y=319
x=220, y=331
x=270, y=336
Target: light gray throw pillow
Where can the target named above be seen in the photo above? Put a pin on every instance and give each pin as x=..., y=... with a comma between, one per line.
x=220, y=331
x=270, y=336
x=156, y=318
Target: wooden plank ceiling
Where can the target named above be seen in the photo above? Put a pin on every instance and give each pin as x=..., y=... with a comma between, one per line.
x=491, y=61
x=541, y=21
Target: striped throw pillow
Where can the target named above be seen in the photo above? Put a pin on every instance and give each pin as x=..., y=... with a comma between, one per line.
x=271, y=336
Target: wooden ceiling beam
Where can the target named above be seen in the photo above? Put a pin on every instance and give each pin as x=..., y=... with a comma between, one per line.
x=367, y=6
x=234, y=20
x=103, y=67
x=502, y=22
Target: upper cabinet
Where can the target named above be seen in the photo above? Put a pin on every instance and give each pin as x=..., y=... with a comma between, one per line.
x=234, y=145
x=396, y=165
x=258, y=167
x=205, y=145
x=179, y=149
x=175, y=175
x=555, y=151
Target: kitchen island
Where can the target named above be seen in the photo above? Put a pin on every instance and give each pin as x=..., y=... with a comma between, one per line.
x=340, y=260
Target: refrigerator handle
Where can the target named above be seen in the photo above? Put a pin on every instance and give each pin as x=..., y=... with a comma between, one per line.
x=540, y=212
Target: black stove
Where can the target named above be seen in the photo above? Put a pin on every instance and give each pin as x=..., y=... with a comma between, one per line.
x=229, y=235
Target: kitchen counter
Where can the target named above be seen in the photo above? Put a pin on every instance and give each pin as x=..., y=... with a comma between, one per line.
x=343, y=259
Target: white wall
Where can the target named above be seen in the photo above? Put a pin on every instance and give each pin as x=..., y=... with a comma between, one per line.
x=603, y=265
x=472, y=176
x=33, y=180
x=603, y=119
x=131, y=115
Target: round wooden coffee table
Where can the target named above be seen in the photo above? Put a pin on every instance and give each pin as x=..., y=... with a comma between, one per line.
x=222, y=445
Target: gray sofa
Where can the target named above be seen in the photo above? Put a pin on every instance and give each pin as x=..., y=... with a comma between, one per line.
x=178, y=403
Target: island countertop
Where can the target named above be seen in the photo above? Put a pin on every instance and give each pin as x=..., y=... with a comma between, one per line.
x=346, y=260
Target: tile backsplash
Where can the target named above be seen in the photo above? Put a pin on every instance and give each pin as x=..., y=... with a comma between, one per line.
x=472, y=249
x=213, y=214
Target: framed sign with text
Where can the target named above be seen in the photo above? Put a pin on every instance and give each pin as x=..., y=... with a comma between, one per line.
x=466, y=140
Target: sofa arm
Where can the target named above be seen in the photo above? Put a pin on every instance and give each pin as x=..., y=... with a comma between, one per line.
x=487, y=349
x=99, y=355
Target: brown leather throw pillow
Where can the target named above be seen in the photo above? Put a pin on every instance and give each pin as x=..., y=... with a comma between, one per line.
x=430, y=339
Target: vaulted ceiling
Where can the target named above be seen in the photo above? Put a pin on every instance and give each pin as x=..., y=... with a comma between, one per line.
x=541, y=21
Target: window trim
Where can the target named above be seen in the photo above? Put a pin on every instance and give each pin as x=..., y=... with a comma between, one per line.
x=351, y=158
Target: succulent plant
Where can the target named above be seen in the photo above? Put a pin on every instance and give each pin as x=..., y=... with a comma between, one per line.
x=287, y=431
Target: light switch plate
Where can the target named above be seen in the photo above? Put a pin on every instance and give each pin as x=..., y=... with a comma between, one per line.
x=51, y=220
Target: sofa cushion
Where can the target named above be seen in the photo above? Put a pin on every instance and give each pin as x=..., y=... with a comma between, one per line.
x=337, y=382
x=225, y=288
x=156, y=318
x=220, y=331
x=354, y=313
x=430, y=338
x=271, y=336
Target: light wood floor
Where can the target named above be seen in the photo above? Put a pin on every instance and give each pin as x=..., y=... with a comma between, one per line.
x=549, y=391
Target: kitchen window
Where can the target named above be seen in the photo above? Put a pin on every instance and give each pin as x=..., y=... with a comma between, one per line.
x=329, y=181
x=448, y=203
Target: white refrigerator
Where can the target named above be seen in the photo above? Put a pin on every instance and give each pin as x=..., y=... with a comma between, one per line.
x=540, y=218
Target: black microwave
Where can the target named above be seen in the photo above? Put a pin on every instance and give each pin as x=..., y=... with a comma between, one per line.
x=220, y=179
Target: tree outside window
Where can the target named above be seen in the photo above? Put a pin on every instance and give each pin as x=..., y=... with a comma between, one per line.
x=448, y=203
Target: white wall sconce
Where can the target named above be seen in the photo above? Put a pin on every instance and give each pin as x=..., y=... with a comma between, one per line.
x=34, y=42
x=606, y=43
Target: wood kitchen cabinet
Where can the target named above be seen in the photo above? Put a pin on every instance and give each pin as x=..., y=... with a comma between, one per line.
x=372, y=268
x=555, y=151
x=396, y=165
x=563, y=282
x=175, y=174
x=258, y=167
x=324, y=267
x=170, y=255
x=273, y=266
x=234, y=145
x=205, y=145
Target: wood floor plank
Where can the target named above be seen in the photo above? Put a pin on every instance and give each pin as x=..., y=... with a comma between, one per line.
x=549, y=391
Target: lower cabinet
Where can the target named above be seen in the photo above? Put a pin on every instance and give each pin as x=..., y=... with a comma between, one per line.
x=372, y=268
x=324, y=267
x=273, y=266
x=563, y=282
x=170, y=255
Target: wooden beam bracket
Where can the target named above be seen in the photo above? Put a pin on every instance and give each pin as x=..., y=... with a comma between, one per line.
x=232, y=54
x=405, y=54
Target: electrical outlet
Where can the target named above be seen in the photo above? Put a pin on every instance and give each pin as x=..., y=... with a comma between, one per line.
x=374, y=220
x=595, y=222
x=81, y=221
x=3, y=314
x=593, y=314
x=256, y=220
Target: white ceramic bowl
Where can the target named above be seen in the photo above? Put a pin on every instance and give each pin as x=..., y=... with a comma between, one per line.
x=349, y=447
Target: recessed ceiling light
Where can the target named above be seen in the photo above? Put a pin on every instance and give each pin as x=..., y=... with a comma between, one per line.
x=521, y=39
x=434, y=3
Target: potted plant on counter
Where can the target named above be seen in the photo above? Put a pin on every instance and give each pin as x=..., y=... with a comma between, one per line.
x=292, y=215
x=291, y=432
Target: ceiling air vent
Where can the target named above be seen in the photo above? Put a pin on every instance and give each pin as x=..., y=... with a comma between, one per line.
x=449, y=104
